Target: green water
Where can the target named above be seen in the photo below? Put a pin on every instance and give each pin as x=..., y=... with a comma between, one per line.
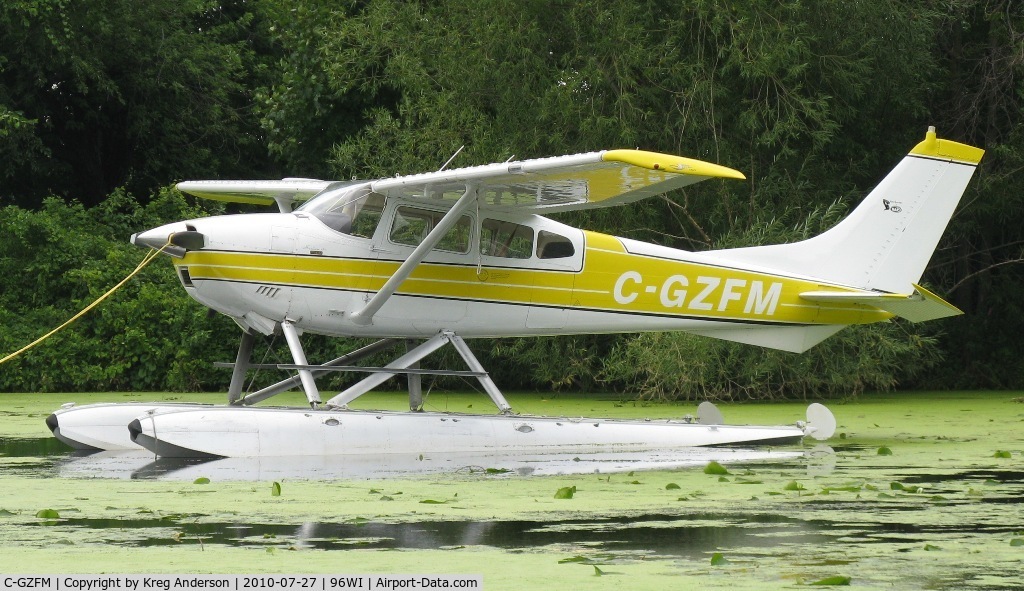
x=942, y=511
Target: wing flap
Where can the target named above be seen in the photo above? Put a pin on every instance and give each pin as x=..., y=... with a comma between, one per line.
x=919, y=306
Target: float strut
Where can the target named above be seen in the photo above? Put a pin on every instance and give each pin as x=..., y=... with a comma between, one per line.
x=404, y=362
x=485, y=380
x=299, y=356
x=415, y=382
x=241, y=365
x=412, y=358
x=288, y=384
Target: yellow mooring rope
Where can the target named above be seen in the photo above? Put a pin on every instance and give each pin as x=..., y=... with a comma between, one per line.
x=145, y=261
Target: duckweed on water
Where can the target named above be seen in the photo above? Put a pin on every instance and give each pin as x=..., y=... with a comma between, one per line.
x=953, y=522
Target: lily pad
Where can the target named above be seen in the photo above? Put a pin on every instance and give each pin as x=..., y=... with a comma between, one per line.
x=836, y=580
x=793, y=485
x=566, y=492
x=714, y=467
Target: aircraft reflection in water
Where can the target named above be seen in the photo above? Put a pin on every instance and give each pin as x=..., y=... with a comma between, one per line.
x=142, y=465
x=466, y=253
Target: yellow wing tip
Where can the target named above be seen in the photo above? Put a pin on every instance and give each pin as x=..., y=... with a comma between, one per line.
x=937, y=148
x=672, y=164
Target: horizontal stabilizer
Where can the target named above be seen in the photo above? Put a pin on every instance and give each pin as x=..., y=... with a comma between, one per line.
x=917, y=307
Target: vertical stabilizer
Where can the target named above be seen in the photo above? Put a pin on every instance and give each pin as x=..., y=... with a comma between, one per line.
x=886, y=242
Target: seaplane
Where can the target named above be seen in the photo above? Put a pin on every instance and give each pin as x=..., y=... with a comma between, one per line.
x=424, y=261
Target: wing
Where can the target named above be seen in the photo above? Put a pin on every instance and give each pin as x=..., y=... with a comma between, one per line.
x=543, y=185
x=562, y=183
x=284, y=192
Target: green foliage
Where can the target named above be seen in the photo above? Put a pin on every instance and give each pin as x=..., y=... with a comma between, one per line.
x=149, y=335
x=569, y=362
x=100, y=94
x=681, y=366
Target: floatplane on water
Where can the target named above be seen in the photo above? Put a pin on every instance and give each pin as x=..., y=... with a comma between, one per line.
x=466, y=253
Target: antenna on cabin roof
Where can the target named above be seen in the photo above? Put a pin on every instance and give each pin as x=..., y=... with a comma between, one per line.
x=445, y=165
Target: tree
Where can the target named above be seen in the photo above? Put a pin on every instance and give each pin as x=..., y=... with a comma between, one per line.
x=979, y=45
x=97, y=95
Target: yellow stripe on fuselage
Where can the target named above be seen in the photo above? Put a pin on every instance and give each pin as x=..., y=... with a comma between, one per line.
x=639, y=283
x=612, y=280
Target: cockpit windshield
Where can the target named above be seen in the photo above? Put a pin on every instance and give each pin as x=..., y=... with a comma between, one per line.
x=350, y=210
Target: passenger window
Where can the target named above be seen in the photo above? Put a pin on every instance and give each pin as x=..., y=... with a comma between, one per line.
x=554, y=246
x=506, y=239
x=412, y=225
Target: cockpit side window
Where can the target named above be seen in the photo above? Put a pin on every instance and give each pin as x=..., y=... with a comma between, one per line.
x=411, y=226
x=356, y=213
x=367, y=217
x=554, y=246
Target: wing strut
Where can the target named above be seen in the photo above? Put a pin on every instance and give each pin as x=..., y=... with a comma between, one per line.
x=364, y=316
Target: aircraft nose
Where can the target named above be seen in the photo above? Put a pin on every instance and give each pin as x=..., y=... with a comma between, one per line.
x=173, y=239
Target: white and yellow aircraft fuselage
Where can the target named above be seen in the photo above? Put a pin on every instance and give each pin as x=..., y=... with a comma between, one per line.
x=500, y=270
x=606, y=284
